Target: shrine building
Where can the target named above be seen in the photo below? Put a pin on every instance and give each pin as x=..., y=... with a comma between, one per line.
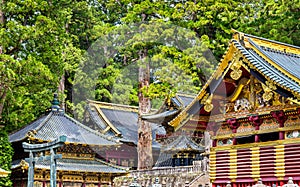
x=250, y=107
x=82, y=163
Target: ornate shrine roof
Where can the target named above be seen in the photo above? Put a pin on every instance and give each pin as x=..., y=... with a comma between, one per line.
x=118, y=120
x=182, y=143
x=78, y=165
x=57, y=123
x=276, y=65
x=284, y=68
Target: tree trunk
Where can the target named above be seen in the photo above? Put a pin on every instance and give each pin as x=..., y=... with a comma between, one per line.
x=3, y=89
x=1, y=13
x=2, y=100
x=144, y=146
x=61, y=89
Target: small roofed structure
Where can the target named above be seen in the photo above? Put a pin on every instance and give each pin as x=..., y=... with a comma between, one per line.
x=82, y=160
x=179, y=151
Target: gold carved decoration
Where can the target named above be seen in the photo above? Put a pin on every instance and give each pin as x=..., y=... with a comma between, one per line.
x=236, y=65
x=267, y=96
x=207, y=101
x=268, y=87
x=236, y=73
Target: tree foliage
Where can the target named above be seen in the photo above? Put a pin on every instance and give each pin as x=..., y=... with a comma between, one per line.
x=5, y=157
x=277, y=20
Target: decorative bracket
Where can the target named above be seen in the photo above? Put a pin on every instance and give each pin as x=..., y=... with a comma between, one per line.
x=207, y=102
x=236, y=65
x=233, y=123
x=268, y=87
x=256, y=121
x=280, y=117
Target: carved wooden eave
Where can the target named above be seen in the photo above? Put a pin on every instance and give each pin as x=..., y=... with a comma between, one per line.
x=249, y=62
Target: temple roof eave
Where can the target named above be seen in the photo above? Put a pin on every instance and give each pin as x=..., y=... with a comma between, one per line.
x=183, y=143
x=159, y=118
x=268, y=70
x=77, y=165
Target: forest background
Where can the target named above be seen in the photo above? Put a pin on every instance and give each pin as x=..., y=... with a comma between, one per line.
x=43, y=42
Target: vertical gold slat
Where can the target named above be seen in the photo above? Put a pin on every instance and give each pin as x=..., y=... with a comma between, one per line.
x=279, y=162
x=232, y=164
x=255, y=165
x=212, y=166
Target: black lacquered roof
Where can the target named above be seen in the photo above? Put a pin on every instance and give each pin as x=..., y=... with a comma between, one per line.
x=167, y=113
x=55, y=124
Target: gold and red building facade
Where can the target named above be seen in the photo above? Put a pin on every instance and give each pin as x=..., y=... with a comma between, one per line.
x=268, y=150
x=250, y=106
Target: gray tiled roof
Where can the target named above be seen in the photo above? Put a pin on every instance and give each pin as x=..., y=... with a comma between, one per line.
x=78, y=165
x=160, y=117
x=182, y=143
x=124, y=121
x=164, y=160
x=56, y=124
x=186, y=100
x=127, y=123
x=96, y=119
x=289, y=62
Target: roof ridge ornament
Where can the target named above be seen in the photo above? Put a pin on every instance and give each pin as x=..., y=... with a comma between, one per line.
x=55, y=104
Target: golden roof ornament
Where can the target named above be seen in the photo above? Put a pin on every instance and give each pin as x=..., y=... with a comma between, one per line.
x=236, y=65
x=207, y=102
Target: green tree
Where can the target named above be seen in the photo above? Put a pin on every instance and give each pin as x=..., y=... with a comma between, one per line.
x=5, y=157
x=36, y=50
x=276, y=20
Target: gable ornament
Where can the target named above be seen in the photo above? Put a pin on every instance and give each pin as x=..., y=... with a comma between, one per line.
x=207, y=102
